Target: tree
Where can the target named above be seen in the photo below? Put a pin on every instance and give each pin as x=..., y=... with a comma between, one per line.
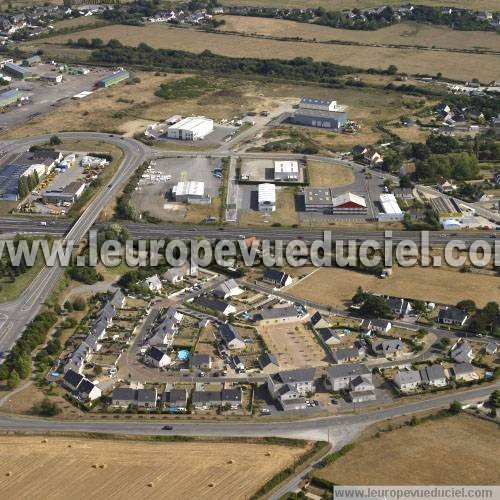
x=54, y=140
x=377, y=306
x=405, y=182
x=359, y=297
x=46, y=408
x=13, y=380
x=467, y=305
x=392, y=69
x=97, y=370
x=494, y=399
x=455, y=408
x=79, y=304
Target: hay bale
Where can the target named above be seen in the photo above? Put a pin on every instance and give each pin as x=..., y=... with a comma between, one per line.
x=94, y=466
x=231, y=461
x=102, y=466
x=268, y=454
x=150, y=485
x=8, y=474
x=45, y=440
x=211, y=485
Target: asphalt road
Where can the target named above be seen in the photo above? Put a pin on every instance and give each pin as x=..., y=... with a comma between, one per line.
x=318, y=428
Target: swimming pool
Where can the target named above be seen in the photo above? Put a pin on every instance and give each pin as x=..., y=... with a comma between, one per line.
x=183, y=354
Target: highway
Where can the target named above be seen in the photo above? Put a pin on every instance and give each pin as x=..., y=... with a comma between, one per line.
x=16, y=314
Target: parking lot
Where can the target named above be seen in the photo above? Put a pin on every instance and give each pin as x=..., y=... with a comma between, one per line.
x=43, y=95
x=154, y=197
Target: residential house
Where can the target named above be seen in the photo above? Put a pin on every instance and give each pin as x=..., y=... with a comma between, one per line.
x=118, y=299
x=146, y=398
x=200, y=362
x=175, y=400
x=230, y=337
x=398, y=306
x=153, y=284
x=433, y=375
x=238, y=363
x=227, y=289
x=407, y=380
x=464, y=372
x=328, y=336
x=219, y=306
x=277, y=278
x=345, y=355
x=156, y=358
x=123, y=397
x=81, y=387
x=388, y=347
x=319, y=321
x=203, y=400
x=291, y=384
x=232, y=398
x=491, y=347
x=268, y=362
x=355, y=379
x=452, y=316
x=177, y=274
x=277, y=315
x=163, y=333
x=380, y=325
x=372, y=158
x=461, y=352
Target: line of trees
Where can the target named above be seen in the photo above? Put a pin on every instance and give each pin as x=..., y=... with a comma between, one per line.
x=27, y=183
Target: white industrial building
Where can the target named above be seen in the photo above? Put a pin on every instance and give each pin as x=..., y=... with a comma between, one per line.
x=190, y=192
x=320, y=104
x=267, y=197
x=192, y=128
x=391, y=211
x=286, y=170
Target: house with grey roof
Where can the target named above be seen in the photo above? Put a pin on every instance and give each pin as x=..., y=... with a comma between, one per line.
x=230, y=337
x=328, y=336
x=491, y=347
x=291, y=385
x=379, y=325
x=277, y=278
x=277, y=315
x=123, y=397
x=461, y=352
x=319, y=321
x=81, y=387
x=175, y=400
x=118, y=299
x=203, y=400
x=146, y=398
x=200, y=362
x=452, y=316
x=345, y=355
x=227, y=289
x=407, y=380
x=398, y=306
x=156, y=358
x=339, y=377
x=219, y=306
x=388, y=347
x=268, y=362
x=433, y=375
x=463, y=372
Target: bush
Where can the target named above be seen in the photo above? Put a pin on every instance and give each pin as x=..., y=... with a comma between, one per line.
x=46, y=408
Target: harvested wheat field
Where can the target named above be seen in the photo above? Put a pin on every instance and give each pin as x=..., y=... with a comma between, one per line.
x=408, y=33
x=335, y=286
x=455, y=450
x=77, y=468
x=452, y=65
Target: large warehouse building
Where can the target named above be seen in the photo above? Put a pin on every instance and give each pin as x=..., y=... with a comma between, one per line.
x=191, y=128
x=267, y=197
x=16, y=71
x=323, y=200
x=9, y=97
x=113, y=79
x=322, y=113
x=390, y=209
x=190, y=192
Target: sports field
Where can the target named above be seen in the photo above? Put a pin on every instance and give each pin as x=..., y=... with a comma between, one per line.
x=67, y=467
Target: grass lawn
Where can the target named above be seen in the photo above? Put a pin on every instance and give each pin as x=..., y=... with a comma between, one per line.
x=328, y=175
x=284, y=215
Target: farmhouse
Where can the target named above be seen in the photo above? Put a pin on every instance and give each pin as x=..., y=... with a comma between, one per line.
x=266, y=197
x=191, y=128
x=286, y=170
x=323, y=113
